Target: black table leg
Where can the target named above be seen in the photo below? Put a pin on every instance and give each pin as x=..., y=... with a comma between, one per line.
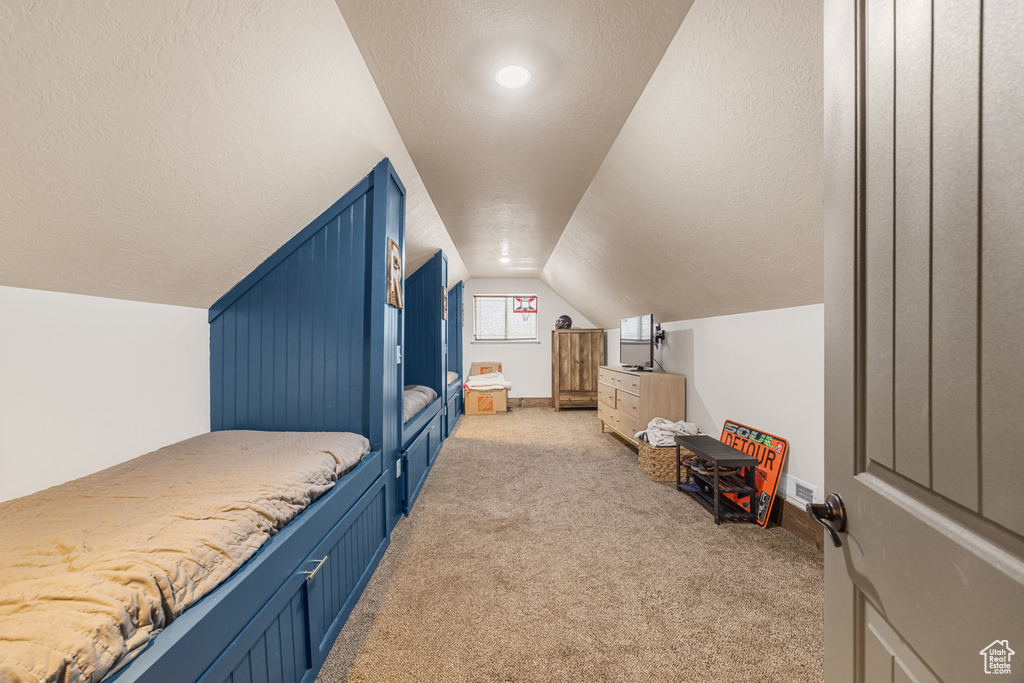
x=718, y=513
x=752, y=483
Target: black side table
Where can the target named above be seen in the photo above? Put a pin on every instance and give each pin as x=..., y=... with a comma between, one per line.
x=708, y=488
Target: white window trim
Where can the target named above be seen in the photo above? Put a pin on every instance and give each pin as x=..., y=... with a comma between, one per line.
x=535, y=340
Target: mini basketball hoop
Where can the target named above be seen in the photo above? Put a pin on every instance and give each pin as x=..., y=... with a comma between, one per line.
x=524, y=306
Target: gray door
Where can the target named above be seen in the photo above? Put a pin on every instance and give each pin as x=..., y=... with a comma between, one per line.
x=924, y=220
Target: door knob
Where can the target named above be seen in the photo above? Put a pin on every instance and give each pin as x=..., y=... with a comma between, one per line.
x=832, y=510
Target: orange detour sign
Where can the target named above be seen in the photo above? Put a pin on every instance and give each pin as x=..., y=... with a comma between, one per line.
x=771, y=451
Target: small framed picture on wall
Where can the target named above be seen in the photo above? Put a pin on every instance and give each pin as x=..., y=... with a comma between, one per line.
x=395, y=275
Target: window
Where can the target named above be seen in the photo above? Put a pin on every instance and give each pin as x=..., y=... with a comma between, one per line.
x=499, y=317
x=636, y=329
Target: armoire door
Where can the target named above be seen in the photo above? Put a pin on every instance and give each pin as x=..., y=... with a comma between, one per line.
x=924, y=307
x=582, y=374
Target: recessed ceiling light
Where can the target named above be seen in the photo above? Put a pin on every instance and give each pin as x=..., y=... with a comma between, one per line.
x=512, y=76
x=505, y=259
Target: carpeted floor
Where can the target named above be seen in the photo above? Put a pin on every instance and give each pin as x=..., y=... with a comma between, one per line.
x=537, y=551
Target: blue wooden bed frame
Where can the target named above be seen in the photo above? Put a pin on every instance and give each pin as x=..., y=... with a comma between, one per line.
x=426, y=364
x=306, y=342
x=455, y=321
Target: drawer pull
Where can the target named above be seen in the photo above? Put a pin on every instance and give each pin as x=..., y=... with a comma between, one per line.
x=310, y=575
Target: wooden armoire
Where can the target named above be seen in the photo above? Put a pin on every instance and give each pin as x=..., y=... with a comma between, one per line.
x=575, y=357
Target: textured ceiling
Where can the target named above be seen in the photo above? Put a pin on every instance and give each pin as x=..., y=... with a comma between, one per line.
x=159, y=151
x=506, y=168
x=710, y=201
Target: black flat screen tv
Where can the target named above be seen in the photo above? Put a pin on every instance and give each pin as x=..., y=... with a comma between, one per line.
x=636, y=342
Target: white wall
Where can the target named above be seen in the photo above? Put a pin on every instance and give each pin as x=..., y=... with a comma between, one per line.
x=763, y=369
x=526, y=365
x=87, y=382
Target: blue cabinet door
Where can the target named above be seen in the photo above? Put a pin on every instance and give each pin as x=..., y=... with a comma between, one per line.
x=289, y=639
x=345, y=560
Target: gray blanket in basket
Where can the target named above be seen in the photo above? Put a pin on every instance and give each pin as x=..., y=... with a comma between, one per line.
x=661, y=432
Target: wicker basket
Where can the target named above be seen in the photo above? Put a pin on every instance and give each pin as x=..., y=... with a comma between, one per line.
x=659, y=463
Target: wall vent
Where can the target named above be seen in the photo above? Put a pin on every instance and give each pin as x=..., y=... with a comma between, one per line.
x=804, y=493
x=798, y=492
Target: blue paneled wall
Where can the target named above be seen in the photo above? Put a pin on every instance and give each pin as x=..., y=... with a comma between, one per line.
x=455, y=303
x=281, y=352
x=388, y=319
x=307, y=342
x=425, y=330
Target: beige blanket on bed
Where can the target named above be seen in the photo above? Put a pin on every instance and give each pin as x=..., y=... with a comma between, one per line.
x=414, y=399
x=91, y=568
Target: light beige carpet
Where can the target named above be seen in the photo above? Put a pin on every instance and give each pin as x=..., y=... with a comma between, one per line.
x=537, y=551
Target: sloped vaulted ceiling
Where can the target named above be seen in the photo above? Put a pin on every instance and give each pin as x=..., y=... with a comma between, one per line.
x=506, y=168
x=160, y=150
x=710, y=201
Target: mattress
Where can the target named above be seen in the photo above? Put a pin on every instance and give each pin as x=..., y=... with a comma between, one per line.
x=415, y=399
x=90, y=570
x=453, y=377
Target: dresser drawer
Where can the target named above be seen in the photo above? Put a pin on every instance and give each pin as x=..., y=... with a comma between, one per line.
x=627, y=424
x=630, y=383
x=606, y=376
x=618, y=420
x=606, y=394
x=628, y=403
x=609, y=416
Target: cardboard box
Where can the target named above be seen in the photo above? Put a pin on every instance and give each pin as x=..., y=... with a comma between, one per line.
x=484, y=368
x=489, y=402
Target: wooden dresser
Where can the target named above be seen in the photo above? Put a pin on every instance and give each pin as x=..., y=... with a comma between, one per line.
x=575, y=357
x=628, y=400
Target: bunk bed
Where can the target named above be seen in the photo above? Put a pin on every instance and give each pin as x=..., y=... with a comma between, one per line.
x=425, y=365
x=92, y=570
x=453, y=410
x=305, y=343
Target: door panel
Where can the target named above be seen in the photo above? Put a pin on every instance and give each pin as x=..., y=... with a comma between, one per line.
x=954, y=311
x=416, y=461
x=585, y=365
x=924, y=317
x=913, y=46
x=565, y=359
x=954, y=289
x=574, y=361
x=937, y=582
x=350, y=549
x=879, y=235
x=1002, y=264
x=274, y=645
x=887, y=657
